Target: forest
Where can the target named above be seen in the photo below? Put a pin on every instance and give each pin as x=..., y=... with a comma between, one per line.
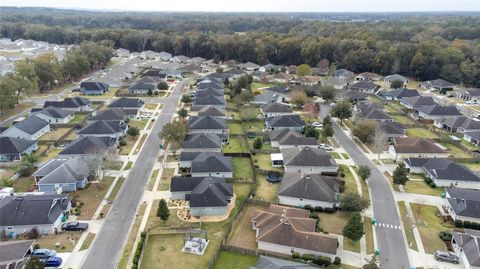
x=419, y=45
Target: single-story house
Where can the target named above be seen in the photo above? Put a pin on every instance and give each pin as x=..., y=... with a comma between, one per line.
x=275, y=109
x=74, y=104
x=467, y=247
x=370, y=111
x=315, y=190
x=463, y=204
x=469, y=94
x=364, y=86
x=293, y=139
x=132, y=103
x=205, y=164
x=30, y=129
x=396, y=77
x=112, y=128
x=164, y=56
x=180, y=59
x=248, y=66
x=416, y=101
x=201, y=101
x=399, y=94
x=270, y=68
x=207, y=196
x=344, y=74
x=444, y=172
x=88, y=146
x=55, y=115
x=141, y=87
x=207, y=124
x=335, y=82
x=406, y=147
x=472, y=137
x=204, y=142
x=283, y=90
x=438, y=85
x=265, y=262
x=285, y=230
x=459, y=124
x=308, y=160
x=212, y=111
x=393, y=129
x=291, y=122
x=12, y=148
x=368, y=76
x=209, y=91
x=280, y=78
x=110, y=114
x=436, y=112
x=15, y=254
x=21, y=214
x=266, y=98
x=355, y=96
x=93, y=88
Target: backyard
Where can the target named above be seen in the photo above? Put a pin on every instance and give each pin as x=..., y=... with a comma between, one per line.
x=78, y=118
x=242, y=168
x=264, y=162
x=235, y=128
x=249, y=112
x=421, y=132
x=236, y=144
x=233, y=260
x=253, y=126
x=55, y=135
x=265, y=190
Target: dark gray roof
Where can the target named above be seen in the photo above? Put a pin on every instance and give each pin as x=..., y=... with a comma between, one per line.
x=127, y=102
x=466, y=208
x=55, y=112
x=104, y=127
x=286, y=121
x=440, y=83
x=474, y=134
x=396, y=77
x=276, y=108
x=31, y=125
x=93, y=85
x=355, y=95
x=470, y=244
x=372, y=111
x=295, y=138
x=265, y=262
x=205, y=192
x=209, y=91
x=363, y=85
x=312, y=187
x=278, y=89
x=189, y=156
x=14, y=252
x=89, y=145
x=32, y=209
x=415, y=101
x=439, y=110
x=307, y=157
x=74, y=102
x=343, y=73
x=110, y=114
x=142, y=86
x=58, y=171
x=392, y=128
x=12, y=145
x=210, y=84
x=209, y=100
x=207, y=162
x=202, y=141
x=267, y=97
x=275, y=135
x=442, y=168
x=212, y=111
x=462, y=122
x=207, y=123
x=404, y=92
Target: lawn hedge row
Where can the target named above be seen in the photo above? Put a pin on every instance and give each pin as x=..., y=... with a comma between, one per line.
x=138, y=251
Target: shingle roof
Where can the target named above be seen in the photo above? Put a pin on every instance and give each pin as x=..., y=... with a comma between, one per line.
x=205, y=192
x=202, y=141
x=419, y=101
x=449, y=170
x=31, y=125
x=209, y=91
x=142, y=86
x=110, y=114
x=441, y=83
x=276, y=108
x=286, y=121
x=55, y=112
x=278, y=89
x=470, y=244
x=12, y=145
x=364, y=85
x=93, y=85
x=88, y=145
x=416, y=145
x=209, y=100
x=462, y=122
x=212, y=111
x=404, y=92
x=275, y=135
x=104, y=127
x=343, y=73
x=295, y=138
x=439, y=110
x=74, y=102
x=267, y=97
x=127, y=102
x=307, y=157
x=265, y=262
x=207, y=123
x=396, y=77
x=212, y=163
x=465, y=203
x=59, y=171
x=392, y=128
x=32, y=209
x=312, y=187
x=14, y=253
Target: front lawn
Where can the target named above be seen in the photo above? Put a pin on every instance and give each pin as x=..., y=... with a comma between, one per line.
x=78, y=118
x=420, y=187
x=166, y=179
x=333, y=223
x=91, y=197
x=350, y=183
x=421, y=132
x=151, y=106
x=242, y=168
x=236, y=144
x=140, y=124
x=66, y=240
x=87, y=242
x=407, y=224
x=234, y=260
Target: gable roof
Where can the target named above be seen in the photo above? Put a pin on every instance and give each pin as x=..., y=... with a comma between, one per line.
x=209, y=100
x=396, y=77
x=470, y=244
x=104, y=127
x=31, y=125
x=295, y=138
x=281, y=89
x=267, y=97
x=464, y=122
x=369, y=75
x=307, y=157
x=276, y=108
x=404, y=92
x=265, y=262
x=416, y=145
x=205, y=191
x=440, y=83
x=343, y=73
x=439, y=110
x=142, y=86
x=212, y=111
x=94, y=85
x=14, y=253
x=88, y=145
x=207, y=123
x=127, y=102
x=286, y=121
x=365, y=85
x=202, y=141
x=312, y=187
x=415, y=101
x=464, y=202
x=392, y=127
x=63, y=171
x=13, y=145
x=55, y=112
x=74, y=102
x=212, y=163
x=275, y=135
x=110, y=114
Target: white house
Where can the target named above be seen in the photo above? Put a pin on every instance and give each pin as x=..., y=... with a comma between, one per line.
x=30, y=129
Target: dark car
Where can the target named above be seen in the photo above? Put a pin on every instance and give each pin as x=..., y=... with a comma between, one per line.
x=53, y=262
x=43, y=253
x=74, y=226
x=251, y=135
x=443, y=256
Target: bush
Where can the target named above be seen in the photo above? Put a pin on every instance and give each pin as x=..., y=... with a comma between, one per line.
x=445, y=235
x=33, y=234
x=295, y=255
x=309, y=257
x=337, y=261
x=322, y=261
x=318, y=209
x=308, y=207
x=459, y=223
x=328, y=210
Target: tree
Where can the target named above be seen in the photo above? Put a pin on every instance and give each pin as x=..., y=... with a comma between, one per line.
x=327, y=93
x=311, y=131
x=311, y=110
x=258, y=143
x=34, y=263
x=342, y=110
x=162, y=85
x=400, y=174
x=26, y=77
x=304, y=70
x=299, y=98
x=327, y=120
x=364, y=130
x=353, y=230
x=396, y=84
x=353, y=202
x=327, y=130
x=174, y=133
x=372, y=264
x=149, y=93
x=243, y=97
x=133, y=131
x=183, y=113
x=186, y=99
x=364, y=171
x=27, y=165
x=162, y=212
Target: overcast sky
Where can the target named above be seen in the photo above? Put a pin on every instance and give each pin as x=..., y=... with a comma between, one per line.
x=257, y=5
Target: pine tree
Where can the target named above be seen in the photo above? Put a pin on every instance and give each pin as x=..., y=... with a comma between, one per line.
x=354, y=228
x=162, y=211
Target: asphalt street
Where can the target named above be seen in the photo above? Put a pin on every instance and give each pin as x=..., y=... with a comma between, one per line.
x=106, y=249
x=390, y=241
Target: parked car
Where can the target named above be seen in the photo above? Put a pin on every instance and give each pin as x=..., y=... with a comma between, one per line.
x=317, y=124
x=77, y=90
x=325, y=147
x=443, y=256
x=251, y=134
x=74, y=226
x=332, y=104
x=53, y=262
x=43, y=253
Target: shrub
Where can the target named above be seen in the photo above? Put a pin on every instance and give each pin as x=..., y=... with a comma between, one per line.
x=308, y=207
x=318, y=209
x=328, y=210
x=337, y=261
x=445, y=235
x=33, y=234
x=309, y=257
x=459, y=223
x=295, y=255
x=322, y=261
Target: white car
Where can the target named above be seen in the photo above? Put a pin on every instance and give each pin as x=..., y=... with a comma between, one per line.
x=317, y=124
x=325, y=147
x=332, y=104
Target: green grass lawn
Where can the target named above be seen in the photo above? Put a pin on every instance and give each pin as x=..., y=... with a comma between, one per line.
x=393, y=107
x=345, y=156
x=257, y=85
x=253, y=126
x=369, y=235
x=334, y=222
x=140, y=124
x=78, y=118
x=129, y=244
x=335, y=155
x=420, y=187
x=407, y=225
x=166, y=179
x=87, y=242
x=233, y=260
x=242, y=168
x=421, y=132
x=430, y=225
x=235, y=128
x=456, y=151
x=350, y=183
x=402, y=119
x=265, y=190
x=249, y=112
x=24, y=184
x=236, y=144
x=264, y=162
x=151, y=182
x=128, y=166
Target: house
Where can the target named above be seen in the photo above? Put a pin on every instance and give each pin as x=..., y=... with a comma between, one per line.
x=399, y=94
x=364, y=86
x=463, y=204
x=180, y=59
x=248, y=66
x=131, y=103
x=73, y=104
x=280, y=89
x=152, y=76
x=110, y=114
x=368, y=76
x=21, y=214
x=370, y=111
x=286, y=230
x=392, y=129
x=12, y=148
x=89, y=146
x=124, y=53
x=436, y=112
x=191, y=69
x=291, y=122
x=467, y=247
x=355, y=96
x=165, y=56
x=269, y=68
x=210, y=84
x=30, y=129
x=396, y=77
x=280, y=78
x=207, y=164
x=207, y=196
x=15, y=254
x=209, y=91
x=267, y=97
x=308, y=160
x=212, y=111
x=204, y=142
x=306, y=81
x=55, y=115
x=197, y=61
x=265, y=262
x=294, y=139
x=406, y=147
x=207, y=124
x=291, y=69
x=416, y=101
x=112, y=128
x=438, y=85
x=209, y=100
x=275, y=109
x=93, y=88
x=471, y=95
x=472, y=137
x=148, y=55
x=459, y=124
x=142, y=88
x=67, y=175
x=315, y=190
x=335, y=82
x=344, y=74
x=444, y=172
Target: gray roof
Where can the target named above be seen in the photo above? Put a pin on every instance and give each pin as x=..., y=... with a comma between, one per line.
x=470, y=243
x=295, y=138
x=281, y=89
x=343, y=73
x=404, y=92
x=32, y=209
x=142, y=86
x=93, y=85
x=209, y=91
x=202, y=141
x=110, y=114
x=211, y=163
x=209, y=100
x=286, y=121
x=210, y=83
x=55, y=112
x=58, y=171
x=355, y=95
x=442, y=168
x=14, y=252
x=312, y=187
x=464, y=202
x=396, y=77
x=212, y=111
x=440, y=83
x=439, y=110
x=372, y=111
x=89, y=145
x=474, y=134
x=205, y=192
x=462, y=122
x=276, y=108
x=104, y=127
x=31, y=125
x=74, y=102
x=275, y=135
x=207, y=123
x=307, y=157
x=265, y=262
x=363, y=85
x=127, y=102
x=335, y=81
x=12, y=145
x=267, y=97
x=393, y=128
x=415, y=101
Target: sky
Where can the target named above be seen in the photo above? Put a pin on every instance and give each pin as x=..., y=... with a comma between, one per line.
x=257, y=5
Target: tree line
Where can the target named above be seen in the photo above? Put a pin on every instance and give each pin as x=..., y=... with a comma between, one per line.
x=45, y=72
